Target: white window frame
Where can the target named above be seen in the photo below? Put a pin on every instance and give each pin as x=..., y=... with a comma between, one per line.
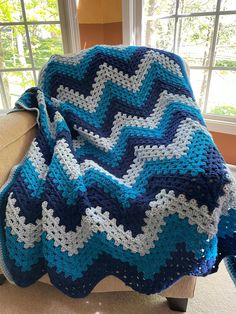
x=70, y=38
x=132, y=35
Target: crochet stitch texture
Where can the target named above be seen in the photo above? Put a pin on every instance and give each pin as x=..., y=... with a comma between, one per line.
x=123, y=178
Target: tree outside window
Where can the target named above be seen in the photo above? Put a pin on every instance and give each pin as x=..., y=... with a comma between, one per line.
x=203, y=32
x=30, y=33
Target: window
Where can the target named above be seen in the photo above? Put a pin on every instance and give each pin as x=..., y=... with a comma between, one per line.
x=30, y=32
x=203, y=32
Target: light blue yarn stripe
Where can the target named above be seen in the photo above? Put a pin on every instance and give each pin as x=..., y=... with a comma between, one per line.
x=24, y=258
x=78, y=71
x=149, y=264
x=124, y=193
x=113, y=156
x=97, y=118
x=138, y=98
x=31, y=179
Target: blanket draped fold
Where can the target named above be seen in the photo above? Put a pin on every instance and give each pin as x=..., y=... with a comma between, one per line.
x=123, y=178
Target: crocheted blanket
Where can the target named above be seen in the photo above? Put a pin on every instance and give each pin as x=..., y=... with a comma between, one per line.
x=123, y=178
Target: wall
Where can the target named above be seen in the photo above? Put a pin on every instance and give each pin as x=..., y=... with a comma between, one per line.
x=227, y=146
x=100, y=22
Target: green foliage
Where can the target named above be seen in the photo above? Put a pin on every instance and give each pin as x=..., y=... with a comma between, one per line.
x=44, y=10
x=225, y=63
x=10, y=11
x=45, y=40
x=224, y=110
x=14, y=51
x=193, y=38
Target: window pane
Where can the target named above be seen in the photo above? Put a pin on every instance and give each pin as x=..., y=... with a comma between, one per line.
x=160, y=7
x=14, y=50
x=37, y=75
x=190, y=6
x=1, y=96
x=43, y=10
x=193, y=39
x=222, y=98
x=226, y=42
x=198, y=80
x=15, y=83
x=159, y=34
x=45, y=41
x=228, y=5
x=10, y=11
x=1, y=104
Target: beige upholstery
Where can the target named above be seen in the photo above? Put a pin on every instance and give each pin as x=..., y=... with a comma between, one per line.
x=17, y=130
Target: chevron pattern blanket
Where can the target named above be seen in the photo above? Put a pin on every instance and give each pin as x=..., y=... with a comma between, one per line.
x=122, y=179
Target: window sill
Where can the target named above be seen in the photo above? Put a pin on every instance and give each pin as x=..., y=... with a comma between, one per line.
x=220, y=126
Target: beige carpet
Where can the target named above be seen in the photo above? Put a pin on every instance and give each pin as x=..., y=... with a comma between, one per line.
x=214, y=294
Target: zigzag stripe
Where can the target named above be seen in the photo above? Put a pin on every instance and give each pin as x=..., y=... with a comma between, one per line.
x=17, y=223
x=131, y=132
x=98, y=243
x=86, y=71
x=130, y=138
x=95, y=221
x=122, y=192
x=122, y=122
x=126, y=155
x=135, y=86
x=97, y=197
x=95, y=53
x=107, y=265
x=110, y=104
x=126, y=159
x=77, y=65
x=37, y=160
x=164, y=103
x=160, y=117
x=176, y=149
x=31, y=178
x=187, y=265
x=114, y=55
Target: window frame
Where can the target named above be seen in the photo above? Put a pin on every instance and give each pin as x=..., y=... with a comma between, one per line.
x=70, y=38
x=132, y=35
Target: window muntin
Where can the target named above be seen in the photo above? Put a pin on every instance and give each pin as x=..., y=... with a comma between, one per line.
x=204, y=34
x=29, y=34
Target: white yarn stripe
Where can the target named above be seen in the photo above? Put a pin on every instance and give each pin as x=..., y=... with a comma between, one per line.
x=72, y=59
x=26, y=233
x=71, y=166
x=75, y=59
x=108, y=73
x=67, y=159
x=37, y=160
x=69, y=59
x=78, y=143
x=166, y=204
x=52, y=126
x=176, y=149
x=122, y=120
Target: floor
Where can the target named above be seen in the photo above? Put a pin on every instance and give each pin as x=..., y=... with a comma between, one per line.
x=214, y=294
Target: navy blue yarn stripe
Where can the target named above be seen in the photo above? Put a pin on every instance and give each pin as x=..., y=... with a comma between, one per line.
x=205, y=191
x=106, y=265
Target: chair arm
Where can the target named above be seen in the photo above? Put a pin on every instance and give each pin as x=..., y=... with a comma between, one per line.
x=17, y=131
